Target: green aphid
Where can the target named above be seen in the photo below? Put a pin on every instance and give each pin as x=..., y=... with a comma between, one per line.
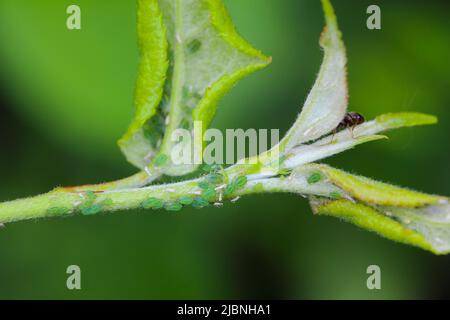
x=207, y=168
x=58, y=211
x=107, y=202
x=194, y=46
x=258, y=188
x=204, y=185
x=152, y=203
x=229, y=189
x=88, y=203
x=215, y=178
x=90, y=196
x=91, y=210
x=314, y=178
x=199, y=203
x=160, y=160
x=335, y=195
x=186, y=200
x=209, y=194
x=240, y=182
x=173, y=206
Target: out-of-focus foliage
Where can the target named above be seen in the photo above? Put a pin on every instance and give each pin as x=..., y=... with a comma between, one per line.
x=53, y=80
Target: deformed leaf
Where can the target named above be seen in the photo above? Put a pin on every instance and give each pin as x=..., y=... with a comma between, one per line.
x=433, y=222
x=371, y=219
x=139, y=142
x=374, y=192
x=206, y=58
x=396, y=213
x=326, y=104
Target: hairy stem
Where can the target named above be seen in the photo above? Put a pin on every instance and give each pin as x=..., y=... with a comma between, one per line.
x=137, y=180
x=63, y=203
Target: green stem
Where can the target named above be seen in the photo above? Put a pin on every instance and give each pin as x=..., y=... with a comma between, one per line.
x=137, y=180
x=177, y=80
x=62, y=203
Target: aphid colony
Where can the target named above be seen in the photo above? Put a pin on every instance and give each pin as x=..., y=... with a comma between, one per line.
x=211, y=189
x=87, y=206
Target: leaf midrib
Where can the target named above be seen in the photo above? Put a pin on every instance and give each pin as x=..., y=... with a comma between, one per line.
x=177, y=79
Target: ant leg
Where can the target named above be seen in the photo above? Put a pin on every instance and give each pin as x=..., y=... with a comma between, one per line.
x=332, y=137
x=351, y=131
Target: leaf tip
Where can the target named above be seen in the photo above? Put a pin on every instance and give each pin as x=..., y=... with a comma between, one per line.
x=328, y=9
x=406, y=119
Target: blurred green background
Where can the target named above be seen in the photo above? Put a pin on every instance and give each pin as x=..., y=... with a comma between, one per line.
x=66, y=97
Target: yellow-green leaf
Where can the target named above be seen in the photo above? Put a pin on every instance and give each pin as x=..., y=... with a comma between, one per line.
x=137, y=144
x=370, y=219
x=377, y=193
x=432, y=221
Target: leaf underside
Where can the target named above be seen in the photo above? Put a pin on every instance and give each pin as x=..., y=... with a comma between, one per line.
x=326, y=103
x=205, y=57
x=396, y=213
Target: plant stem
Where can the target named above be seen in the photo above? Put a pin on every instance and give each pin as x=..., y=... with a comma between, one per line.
x=177, y=79
x=59, y=202
x=137, y=180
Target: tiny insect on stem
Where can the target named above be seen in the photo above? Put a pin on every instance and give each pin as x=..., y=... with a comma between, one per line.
x=350, y=121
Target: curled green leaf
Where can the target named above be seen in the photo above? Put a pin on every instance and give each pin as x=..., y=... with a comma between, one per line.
x=138, y=142
x=206, y=58
x=432, y=222
x=396, y=213
x=370, y=219
x=376, y=193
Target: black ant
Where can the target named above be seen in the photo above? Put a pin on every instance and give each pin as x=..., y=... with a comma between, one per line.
x=350, y=121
